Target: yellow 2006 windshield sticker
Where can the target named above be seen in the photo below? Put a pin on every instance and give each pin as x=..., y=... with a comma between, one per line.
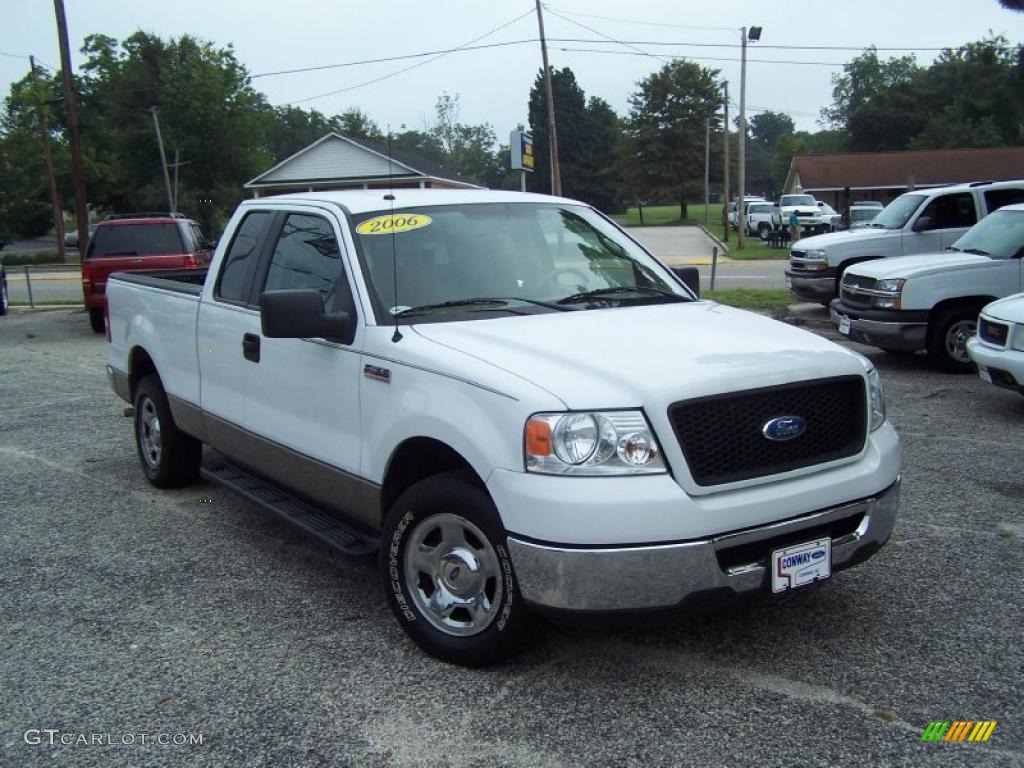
x=393, y=222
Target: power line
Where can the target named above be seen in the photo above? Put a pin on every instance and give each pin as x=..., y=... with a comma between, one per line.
x=417, y=64
x=667, y=57
x=596, y=32
x=642, y=23
x=394, y=58
x=759, y=45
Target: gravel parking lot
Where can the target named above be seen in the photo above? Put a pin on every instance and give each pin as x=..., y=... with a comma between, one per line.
x=132, y=612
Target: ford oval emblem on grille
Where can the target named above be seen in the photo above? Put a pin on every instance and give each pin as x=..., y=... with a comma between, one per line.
x=784, y=428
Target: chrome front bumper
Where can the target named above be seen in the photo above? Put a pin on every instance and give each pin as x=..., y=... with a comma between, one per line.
x=668, y=575
x=811, y=286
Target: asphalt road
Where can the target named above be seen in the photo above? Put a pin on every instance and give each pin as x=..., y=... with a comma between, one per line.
x=130, y=611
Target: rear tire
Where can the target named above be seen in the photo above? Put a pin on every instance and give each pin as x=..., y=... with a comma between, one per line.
x=96, y=320
x=4, y=301
x=448, y=576
x=170, y=458
x=947, y=339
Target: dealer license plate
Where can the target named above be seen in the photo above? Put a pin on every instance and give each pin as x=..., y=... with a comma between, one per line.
x=801, y=564
x=984, y=373
x=844, y=325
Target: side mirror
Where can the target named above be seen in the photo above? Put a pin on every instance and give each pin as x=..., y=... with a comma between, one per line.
x=922, y=224
x=298, y=313
x=690, y=277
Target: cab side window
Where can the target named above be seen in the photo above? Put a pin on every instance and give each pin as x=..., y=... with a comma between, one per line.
x=239, y=267
x=307, y=256
x=949, y=211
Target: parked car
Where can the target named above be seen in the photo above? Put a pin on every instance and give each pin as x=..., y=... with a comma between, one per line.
x=998, y=349
x=924, y=221
x=138, y=241
x=862, y=215
x=71, y=236
x=931, y=301
x=759, y=218
x=732, y=208
x=504, y=418
x=830, y=217
x=5, y=302
x=806, y=209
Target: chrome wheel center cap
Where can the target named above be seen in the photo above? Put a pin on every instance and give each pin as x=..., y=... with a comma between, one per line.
x=460, y=572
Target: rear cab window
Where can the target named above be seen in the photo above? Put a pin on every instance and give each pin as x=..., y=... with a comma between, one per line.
x=143, y=239
x=997, y=198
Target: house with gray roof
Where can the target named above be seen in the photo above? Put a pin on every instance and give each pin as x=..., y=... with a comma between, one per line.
x=338, y=162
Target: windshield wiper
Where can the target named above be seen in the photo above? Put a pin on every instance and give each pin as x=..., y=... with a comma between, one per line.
x=497, y=302
x=975, y=251
x=600, y=293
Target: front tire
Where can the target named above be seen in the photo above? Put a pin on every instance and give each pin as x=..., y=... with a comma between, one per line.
x=170, y=458
x=96, y=320
x=947, y=340
x=447, y=573
x=4, y=301
x=762, y=230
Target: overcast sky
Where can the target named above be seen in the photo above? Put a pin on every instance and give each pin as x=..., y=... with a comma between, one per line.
x=493, y=84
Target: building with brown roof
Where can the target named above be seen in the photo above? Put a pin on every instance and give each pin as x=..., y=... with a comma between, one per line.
x=883, y=176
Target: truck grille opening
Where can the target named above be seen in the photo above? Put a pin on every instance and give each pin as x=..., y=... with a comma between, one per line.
x=722, y=436
x=850, y=296
x=758, y=552
x=993, y=333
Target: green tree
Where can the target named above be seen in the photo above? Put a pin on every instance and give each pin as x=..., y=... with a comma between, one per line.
x=665, y=130
x=208, y=111
x=786, y=148
x=766, y=128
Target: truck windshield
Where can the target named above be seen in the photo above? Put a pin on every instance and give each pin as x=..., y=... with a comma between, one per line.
x=490, y=259
x=999, y=235
x=789, y=200
x=897, y=213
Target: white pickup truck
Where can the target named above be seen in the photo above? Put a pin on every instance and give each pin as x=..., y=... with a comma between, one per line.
x=931, y=301
x=808, y=214
x=925, y=221
x=515, y=402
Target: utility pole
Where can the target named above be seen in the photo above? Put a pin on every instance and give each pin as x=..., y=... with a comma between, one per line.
x=163, y=160
x=556, y=174
x=707, y=166
x=44, y=137
x=177, y=165
x=742, y=191
x=725, y=197
x=74, y=141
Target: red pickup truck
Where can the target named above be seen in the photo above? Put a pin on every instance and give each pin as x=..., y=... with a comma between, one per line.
x=125, y=242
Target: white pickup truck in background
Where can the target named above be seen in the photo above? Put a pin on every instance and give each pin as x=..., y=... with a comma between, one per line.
x=931, y=301
x=924, y=221
x=808, y=214
x=519, y=406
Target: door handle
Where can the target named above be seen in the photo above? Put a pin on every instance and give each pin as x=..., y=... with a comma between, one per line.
x=251, y=347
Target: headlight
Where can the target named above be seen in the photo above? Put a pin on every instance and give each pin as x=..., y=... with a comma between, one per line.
x=1018, y=337
x=591, y=443
x=877, y=399
x=814, y=261
x=891, y=286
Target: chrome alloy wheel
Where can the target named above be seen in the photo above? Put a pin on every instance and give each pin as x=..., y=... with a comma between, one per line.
x=956, y=339
x=452, y=574
x=149, y=432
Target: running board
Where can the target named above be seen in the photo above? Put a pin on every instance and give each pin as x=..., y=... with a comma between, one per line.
x=326, y=528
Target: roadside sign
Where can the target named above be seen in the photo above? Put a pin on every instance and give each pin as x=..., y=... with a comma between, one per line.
x=520, y=146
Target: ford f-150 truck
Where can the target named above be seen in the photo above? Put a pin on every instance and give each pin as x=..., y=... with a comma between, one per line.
x=513, y=401
x=925, y=221
x=931, y=301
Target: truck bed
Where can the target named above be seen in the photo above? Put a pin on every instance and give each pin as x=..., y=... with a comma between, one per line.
x=178, y=280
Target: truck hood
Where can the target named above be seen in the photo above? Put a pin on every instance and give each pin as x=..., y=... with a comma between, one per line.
x=1010, y=309
x=918, y=265
x=836, y=241
x=631, y=356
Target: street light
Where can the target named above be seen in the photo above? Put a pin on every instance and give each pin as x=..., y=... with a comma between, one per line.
x=753, y=35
